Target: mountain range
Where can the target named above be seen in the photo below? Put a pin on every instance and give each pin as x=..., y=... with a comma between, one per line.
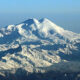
x=39, y=46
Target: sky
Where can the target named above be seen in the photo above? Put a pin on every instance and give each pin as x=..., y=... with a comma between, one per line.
x=65, y=13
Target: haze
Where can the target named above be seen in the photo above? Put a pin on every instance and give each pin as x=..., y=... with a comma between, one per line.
x=65, y=13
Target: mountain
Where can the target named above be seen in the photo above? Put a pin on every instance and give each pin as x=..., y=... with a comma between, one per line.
x=39, y=46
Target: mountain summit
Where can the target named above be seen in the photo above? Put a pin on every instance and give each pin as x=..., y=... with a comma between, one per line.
x=43, y=28
x=30, y=21
x=39, y=45
x=44, y=25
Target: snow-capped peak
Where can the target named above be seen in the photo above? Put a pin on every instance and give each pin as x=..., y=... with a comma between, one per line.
x=48, y=25
x=31, y=21
x=43, y=28
x=43, y=19
x=44, y=25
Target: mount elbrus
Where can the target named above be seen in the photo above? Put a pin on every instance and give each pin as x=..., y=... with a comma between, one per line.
x=39, y=46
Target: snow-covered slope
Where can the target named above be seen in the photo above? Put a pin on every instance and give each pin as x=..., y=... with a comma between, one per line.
x=39, y=45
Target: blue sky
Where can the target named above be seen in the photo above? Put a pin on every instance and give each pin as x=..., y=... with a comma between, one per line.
x=65, y=13
x=40, y=6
